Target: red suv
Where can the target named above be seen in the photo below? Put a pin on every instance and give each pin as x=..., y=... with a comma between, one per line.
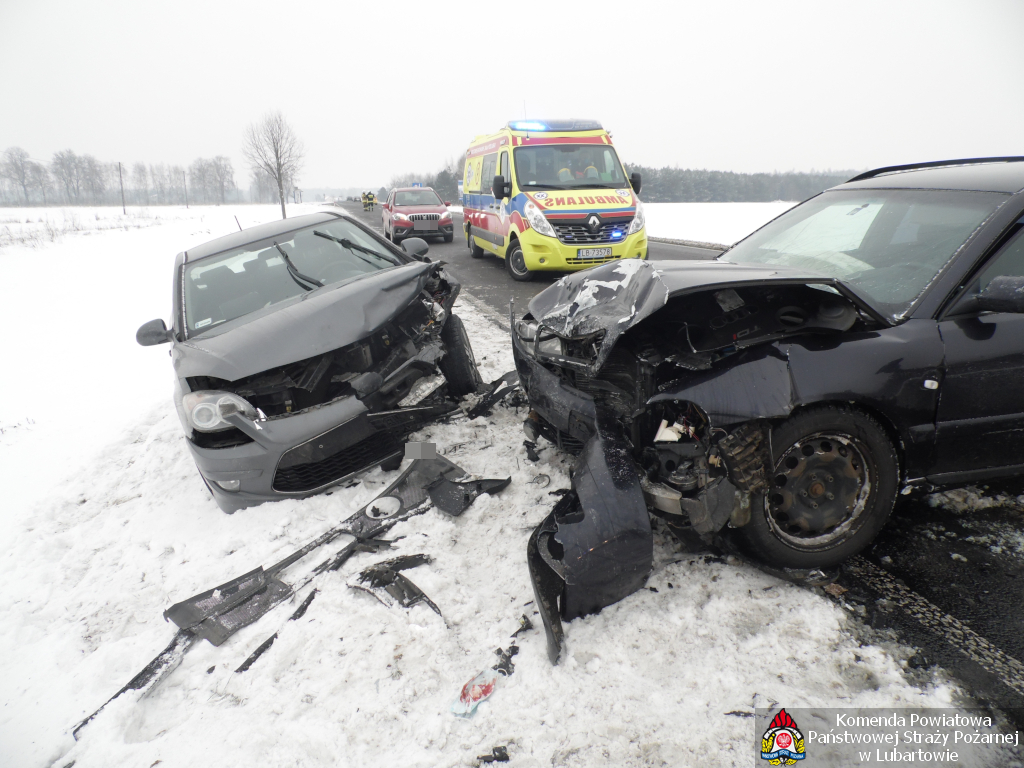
x=416, y=211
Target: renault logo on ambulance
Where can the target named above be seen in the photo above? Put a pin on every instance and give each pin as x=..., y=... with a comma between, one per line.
x=551, y=195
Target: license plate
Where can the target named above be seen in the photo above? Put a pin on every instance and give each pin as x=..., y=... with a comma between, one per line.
x=419, y=225
x=593, y=253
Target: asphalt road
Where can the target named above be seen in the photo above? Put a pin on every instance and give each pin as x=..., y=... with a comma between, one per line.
x=949, y=585
x=486, y=277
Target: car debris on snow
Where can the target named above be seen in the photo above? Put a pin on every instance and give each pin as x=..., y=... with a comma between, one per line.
x=386, y=582
x=498, y=755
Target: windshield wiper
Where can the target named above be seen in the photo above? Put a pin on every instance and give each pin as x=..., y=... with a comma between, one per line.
x=297, y=276
x=346, y=243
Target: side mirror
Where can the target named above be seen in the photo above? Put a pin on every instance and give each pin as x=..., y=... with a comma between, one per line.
x=416, y=247
x=1004, y=294
x=634, y=182
x=501, y=188
x=447, y=203
x=152, y=333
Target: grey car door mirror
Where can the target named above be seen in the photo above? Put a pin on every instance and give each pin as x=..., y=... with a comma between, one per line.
x=1004, y=293
x=416, y=247
x=153, y=332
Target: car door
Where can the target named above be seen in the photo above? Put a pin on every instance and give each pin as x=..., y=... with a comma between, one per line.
x=385, y=212
x=980, y=419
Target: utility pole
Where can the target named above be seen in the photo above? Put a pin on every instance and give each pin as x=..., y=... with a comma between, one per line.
x=121, y=180
x=185, y=185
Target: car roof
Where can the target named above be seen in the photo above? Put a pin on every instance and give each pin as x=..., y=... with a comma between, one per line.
x=986, y=175
x=412, y=189
x=257, y=233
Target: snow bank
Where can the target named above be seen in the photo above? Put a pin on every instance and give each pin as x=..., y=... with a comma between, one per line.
x=723, y=223
x=95, y=554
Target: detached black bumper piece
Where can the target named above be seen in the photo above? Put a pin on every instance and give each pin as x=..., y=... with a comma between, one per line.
x=596, y=547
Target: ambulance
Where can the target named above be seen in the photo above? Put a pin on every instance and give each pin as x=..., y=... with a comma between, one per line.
x=551, y=195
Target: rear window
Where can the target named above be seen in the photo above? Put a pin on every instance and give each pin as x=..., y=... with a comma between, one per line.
x=417, y=197
x=237, y=282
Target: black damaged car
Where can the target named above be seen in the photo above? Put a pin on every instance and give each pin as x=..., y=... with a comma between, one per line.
x=305, y=350
x=865, y=342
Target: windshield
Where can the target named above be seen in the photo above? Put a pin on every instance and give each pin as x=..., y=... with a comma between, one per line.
x=418, y=197
x=235, y=283
x=569, y=166
x=886, y=244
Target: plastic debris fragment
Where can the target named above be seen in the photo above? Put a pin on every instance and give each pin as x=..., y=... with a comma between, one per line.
x=498, y=389
x=386, y=582
x=475, y=691
x=455, y=497
x=498, y=755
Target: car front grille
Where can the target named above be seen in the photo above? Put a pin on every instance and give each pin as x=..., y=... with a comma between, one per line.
x=424, y=217
x=580, y=234
x=306, y=477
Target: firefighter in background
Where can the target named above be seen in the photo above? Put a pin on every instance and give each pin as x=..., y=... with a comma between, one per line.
x=369, y=201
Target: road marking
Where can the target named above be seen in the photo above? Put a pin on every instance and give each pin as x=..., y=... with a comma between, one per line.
x=959, y=635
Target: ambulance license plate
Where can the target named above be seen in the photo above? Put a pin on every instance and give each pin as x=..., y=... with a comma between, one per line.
x=421, y=225
x=593, y=253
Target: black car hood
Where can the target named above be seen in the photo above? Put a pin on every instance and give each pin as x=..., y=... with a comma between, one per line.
x=318, y=322
x=615, y=297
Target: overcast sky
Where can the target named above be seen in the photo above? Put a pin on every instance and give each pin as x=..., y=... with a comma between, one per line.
x=379, y=88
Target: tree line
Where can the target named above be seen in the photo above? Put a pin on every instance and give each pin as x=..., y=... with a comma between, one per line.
x=689, y=185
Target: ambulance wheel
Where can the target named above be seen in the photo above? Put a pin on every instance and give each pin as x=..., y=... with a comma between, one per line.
x=515, y=263
x=474, y=250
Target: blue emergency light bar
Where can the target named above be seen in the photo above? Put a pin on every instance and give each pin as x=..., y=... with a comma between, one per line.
x=564, y=126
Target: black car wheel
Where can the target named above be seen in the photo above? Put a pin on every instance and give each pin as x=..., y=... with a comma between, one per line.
x=834, y=485
x=387, y=235
x=449, y=237
x=515, y=263
x=458, y=364
x=474, y=250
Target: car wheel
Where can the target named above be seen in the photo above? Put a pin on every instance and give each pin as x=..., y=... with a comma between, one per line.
x=458, y=365
x=833, y=487
x=474, y=250
x=449, y=237
x=515, y=263
x=387, y=235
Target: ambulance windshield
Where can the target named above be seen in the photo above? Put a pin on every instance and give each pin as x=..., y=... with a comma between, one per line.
x=569, y=166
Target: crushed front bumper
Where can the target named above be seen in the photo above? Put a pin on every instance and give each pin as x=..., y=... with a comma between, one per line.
x=302, y=454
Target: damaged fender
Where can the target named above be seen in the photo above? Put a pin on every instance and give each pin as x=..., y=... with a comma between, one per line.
x=596, y=547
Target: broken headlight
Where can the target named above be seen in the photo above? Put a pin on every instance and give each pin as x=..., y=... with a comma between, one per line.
x=207, y=410
x=638, y=220
x=536, y=339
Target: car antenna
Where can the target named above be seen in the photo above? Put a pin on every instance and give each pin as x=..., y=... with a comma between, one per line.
x=236, y=222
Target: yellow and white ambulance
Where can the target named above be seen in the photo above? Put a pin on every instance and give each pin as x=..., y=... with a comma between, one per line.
x=551, y=195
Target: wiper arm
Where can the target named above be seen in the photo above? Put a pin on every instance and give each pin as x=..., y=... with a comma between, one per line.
x=346, y=243
x=297, y=276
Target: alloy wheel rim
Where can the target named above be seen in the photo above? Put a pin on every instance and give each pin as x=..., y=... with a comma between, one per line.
x=518, y=262
x=820, y=490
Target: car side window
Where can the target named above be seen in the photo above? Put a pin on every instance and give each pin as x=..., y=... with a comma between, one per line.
x=504, y=167
x=489, y=172
x=1009, y=261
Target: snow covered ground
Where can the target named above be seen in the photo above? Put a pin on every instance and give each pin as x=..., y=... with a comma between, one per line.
x=107, y=523
x=721, y=223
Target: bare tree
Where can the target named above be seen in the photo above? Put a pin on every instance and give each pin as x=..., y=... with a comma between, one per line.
x=199, y=179
x=15, y=168
x=39, y=178
x=272, y=146
x=67, y=170
x=139, y=183
x=222, y=175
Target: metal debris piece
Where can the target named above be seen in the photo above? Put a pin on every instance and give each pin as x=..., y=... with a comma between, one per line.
x=525, y=625
x=386, y=582
x=498, y=755
x=531, y=450
x=498, y=389
x=541, y=480
x=505, y=667
x=454, y=497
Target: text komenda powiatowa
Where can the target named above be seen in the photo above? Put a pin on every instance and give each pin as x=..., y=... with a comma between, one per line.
x=945, y=730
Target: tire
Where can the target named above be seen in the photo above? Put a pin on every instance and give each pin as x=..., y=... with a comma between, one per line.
x=474, y=250
x=823, y=448
x=458, y=364
x=515, y=264
x=387, y=235
x=449, y=237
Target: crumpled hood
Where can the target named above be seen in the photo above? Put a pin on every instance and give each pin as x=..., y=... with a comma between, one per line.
x=616, y=296
x=315, y=323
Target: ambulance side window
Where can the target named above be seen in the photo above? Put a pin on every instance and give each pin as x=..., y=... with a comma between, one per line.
x=489, y=172
x=504, y=167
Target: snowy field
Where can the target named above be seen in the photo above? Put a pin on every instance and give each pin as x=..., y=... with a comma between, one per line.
x=720, y=223
x=107, y=523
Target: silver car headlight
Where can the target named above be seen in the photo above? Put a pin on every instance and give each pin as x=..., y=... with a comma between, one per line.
x=208, y=409
x=537, y=220
x=638, y=220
